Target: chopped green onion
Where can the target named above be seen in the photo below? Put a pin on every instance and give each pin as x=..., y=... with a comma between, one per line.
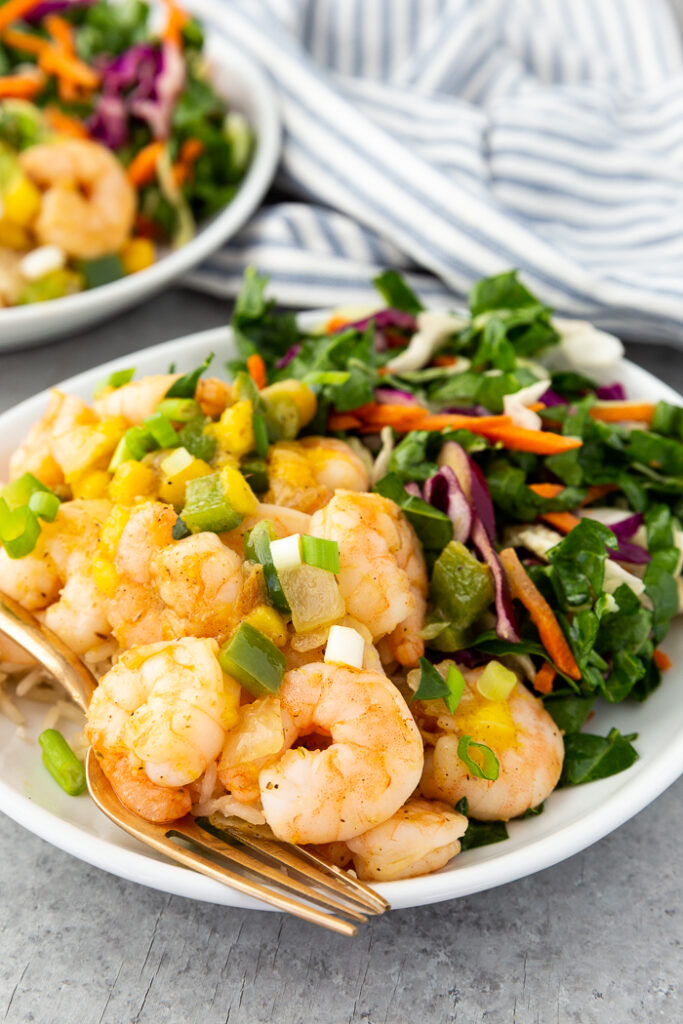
x=433, y=686
x=176, y=462
x=207, y=506
x=186, y=386
x=260, y=434
x=62, y=763
x=180, y=410
x=245, y=389
x=488, y=769
x=134, y=445
x=45, y=505
x=256, y=473
x=253, y=660
x=496, y=681
x=324, y=554
x=20, y=491
x=159, y=426
x=115, y=380
x=19, y=529
x=257, y=549
x=180, y=530
x=192, y=437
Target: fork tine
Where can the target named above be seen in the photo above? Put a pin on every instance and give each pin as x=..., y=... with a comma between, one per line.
x=187, y=829
x=155, y=836
x=307, y=864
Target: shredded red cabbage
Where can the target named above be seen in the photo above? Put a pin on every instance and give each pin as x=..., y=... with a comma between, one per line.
x=550, y=398
x=414, y=489
x=625, y=528
x=481, y=499
x=290, y=354
x=626, y=552
x=157, y=110
x=393, y=396
x=386, y=318
x=506, y=622
x=467, y=410
x=445, y=493
x=109, y=122
x=41, y=11
x=611, y=392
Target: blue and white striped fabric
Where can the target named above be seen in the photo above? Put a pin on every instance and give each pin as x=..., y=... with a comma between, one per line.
x=457, y=138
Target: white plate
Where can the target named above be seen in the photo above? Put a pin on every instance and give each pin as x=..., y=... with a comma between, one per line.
x=572, y=820
x=244, y=85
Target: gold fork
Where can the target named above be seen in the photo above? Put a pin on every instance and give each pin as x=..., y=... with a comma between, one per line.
x=280, y=874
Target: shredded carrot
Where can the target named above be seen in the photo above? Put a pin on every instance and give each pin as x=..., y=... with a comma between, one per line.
x=20, y=87
x=597, y=491
x=24, y=40
x=565, y=522
x=400, y=416
x=15, y=10
x=661, y=660
x=544, y=678
x=552, y=637
x=335, y=323
x=190, y=151
x=536, y=406
x=342, y=421
x=71, y=69
x=546, y=490
x=176, y=19
x=615, y=412
x=540, y=442
x=143, y=167
x=444, y=360
x=455, y=421
x=65, y=125
x=257, y=370
x=60, y=30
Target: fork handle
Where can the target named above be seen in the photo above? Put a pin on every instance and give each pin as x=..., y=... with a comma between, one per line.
x=47, y=648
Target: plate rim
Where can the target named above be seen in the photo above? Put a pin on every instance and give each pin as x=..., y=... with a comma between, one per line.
x=632, y=796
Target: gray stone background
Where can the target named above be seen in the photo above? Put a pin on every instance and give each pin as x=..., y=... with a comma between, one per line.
x=595, y=940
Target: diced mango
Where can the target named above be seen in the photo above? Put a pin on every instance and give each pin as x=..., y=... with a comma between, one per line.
x=112, y=529
x=238, y=492
x=12, y=236
x=92, y=485
x=105, y=576
x=172, y=489
x=234, y=431
x=132, y=480
x=137, y=254
x=87, y=446
x=21, y=201
x=270, y=622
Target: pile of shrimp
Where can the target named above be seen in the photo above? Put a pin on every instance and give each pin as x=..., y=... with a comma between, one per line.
x=341, y=758
x=83, y=208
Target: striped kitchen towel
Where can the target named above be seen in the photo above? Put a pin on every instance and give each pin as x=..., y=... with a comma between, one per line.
x=453, y=139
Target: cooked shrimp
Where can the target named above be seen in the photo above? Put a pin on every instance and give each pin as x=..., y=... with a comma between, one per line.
x=383, y=577
x=138, y=794
x=369, y=769
x=204, y=586
x=286, y=521
x=135, y=609
x=88, y=203
x=305, y=474
x=64, y=547
x=166, y=708
x=420, y=837
x=213, y=395
x=13, y=653
x=136, y=400
x=519, y=731
x=80, y=616
x=262, y=734
x=35, y=453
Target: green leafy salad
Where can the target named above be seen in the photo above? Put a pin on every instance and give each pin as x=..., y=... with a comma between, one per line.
x=547, y=504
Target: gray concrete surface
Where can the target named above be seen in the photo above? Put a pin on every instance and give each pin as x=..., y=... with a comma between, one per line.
x=595, y=940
